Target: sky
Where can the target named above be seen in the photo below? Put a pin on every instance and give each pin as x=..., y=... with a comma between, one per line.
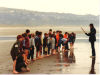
x=79, y=7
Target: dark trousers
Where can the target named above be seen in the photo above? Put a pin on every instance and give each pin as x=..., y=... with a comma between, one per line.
x=93, y=48
x=66, y=46
x=31, y=53
x=49, y=47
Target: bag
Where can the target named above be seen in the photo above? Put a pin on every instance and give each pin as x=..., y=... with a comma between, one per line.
x=46, y=48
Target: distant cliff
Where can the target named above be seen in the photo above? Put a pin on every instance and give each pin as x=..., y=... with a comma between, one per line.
x=24, y=17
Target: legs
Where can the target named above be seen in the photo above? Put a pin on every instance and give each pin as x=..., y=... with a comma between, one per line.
x=93, y=49
x=66, y=46
x=32, y=53
x=14, y=67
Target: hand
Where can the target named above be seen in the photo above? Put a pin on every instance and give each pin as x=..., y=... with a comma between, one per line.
x=30, y=48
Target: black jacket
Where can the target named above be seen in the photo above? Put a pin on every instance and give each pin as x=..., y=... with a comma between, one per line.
x=15, y=50
x=92, y=35
x=45, y=40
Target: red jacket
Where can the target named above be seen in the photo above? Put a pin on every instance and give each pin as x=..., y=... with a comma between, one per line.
x=27, y=42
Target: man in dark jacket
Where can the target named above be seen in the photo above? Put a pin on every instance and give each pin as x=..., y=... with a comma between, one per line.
x=15, y=51
x=45, y=40
x=17, y=56
x=92, y=39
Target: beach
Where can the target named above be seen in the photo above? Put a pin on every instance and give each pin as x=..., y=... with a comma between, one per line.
x=6, y=31
x=50, y=65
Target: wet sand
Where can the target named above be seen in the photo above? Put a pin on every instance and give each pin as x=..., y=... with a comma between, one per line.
x=55, y=64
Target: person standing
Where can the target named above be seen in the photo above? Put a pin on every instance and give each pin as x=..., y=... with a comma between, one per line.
x=50, y=32
x=53, y=44
x=65, y=44
x=57, y=40
x=27, y=46
x=45, y=40
x=60, y=40
x=32, y=44
x=92, y=39
x=49, y=44
x=37, y=43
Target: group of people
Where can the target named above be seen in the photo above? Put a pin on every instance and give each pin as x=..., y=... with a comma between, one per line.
x=28, y=44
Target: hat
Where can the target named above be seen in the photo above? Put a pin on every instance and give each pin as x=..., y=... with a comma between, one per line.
x=19, y=36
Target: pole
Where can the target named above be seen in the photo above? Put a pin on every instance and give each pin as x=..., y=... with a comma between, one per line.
x=83, y=30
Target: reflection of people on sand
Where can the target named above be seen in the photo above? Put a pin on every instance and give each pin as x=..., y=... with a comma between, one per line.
x=65, y=58
x=92, y=39
x=71, y=57
x=92, y=71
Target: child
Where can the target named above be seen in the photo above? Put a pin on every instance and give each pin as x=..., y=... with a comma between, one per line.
x=49, y=44
x=20, y=63
x=60, y=40
x=15, y=52
x=32, y=44
x=66, y=36
x=40, y=44
x=53, y=44
x=57, y=40
x=45, y=40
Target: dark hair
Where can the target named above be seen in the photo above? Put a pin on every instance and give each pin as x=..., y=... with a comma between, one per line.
x=45, y=34
x=24, y=35
x=37, y=32
x=60, y=31
x=57, y=31
x=40, y=33
x=19, y=36
x=66, y=32
x=27, y=31
x=54, y=32
x=50, y=29
x=92, y=25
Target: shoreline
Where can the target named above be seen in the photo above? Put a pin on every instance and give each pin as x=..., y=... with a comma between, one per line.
x=19, y=29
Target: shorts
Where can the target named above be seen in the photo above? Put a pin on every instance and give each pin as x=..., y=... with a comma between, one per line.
x=59, y=44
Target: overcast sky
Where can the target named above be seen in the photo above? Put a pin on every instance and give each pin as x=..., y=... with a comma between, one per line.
x=80, y=7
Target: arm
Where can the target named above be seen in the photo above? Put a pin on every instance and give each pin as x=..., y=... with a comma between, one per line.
x=88, y=34
x=92, y=32
x=35, y=42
